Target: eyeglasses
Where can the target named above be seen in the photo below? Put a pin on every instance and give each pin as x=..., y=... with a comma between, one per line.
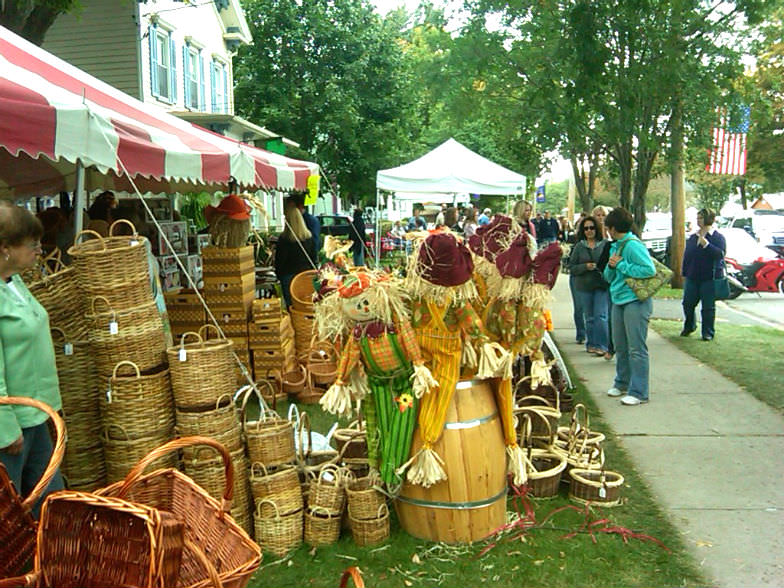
x=591, y=228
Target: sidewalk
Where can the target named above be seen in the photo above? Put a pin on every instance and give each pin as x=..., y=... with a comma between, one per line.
x=712, y=455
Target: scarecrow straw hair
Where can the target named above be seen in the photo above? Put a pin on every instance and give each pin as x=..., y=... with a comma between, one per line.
x=418, y=287
x=229, y=233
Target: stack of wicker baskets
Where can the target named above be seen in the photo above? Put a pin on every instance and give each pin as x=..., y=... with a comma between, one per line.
x=302, y=314
x=368, y=513
x=326, y=502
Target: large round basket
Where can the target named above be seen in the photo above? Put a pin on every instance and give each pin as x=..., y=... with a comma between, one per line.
x=227, y=546
x=371, y=531
x=54, y=285
x=141, y=404
x=280, y=486
x=122, y=453
x=220, y=422
x=302, y=290
x=277, y=532
x=79, y=386
x=114, y=267
x=364, y=498
x=599, y=487
x=202, y=371
x=133, y=334
x=321, y=526
x=471, y=503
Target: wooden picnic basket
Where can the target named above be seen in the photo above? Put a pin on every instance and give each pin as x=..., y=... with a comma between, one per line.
x=202, y=371
x=227, y=547
x=277, y=532
x=18, y=529
x=113, y=267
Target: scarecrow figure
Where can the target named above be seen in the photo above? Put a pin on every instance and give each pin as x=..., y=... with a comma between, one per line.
x=446, y=325
x=381, y=359
x=229, y=222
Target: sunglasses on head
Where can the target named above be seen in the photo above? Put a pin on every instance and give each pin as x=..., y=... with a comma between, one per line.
x=589, y=228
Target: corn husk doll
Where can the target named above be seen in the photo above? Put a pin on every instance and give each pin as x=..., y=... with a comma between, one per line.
x=380, y=362
x=446, y=326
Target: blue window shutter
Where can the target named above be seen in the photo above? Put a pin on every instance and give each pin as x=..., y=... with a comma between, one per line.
x=173, y=69
x=225, y=82
x=212, y=86
x=186, y=72
x=200, y=63
x=153, y=60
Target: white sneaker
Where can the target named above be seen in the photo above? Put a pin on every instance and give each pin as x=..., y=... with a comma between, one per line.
x=615, y=393
x=630, y=400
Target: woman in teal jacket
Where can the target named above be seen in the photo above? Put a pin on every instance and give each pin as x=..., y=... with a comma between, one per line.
x=27, y=362
x=629, y=258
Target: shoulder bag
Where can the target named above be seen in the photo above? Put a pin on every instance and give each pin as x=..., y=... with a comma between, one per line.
x=644, y=288
x=721, y=286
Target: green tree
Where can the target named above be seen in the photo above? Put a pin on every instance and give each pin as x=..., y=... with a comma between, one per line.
x=329, y=74
x=32, y=18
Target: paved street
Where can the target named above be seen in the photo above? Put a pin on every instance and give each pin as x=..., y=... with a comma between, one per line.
x=766, y=310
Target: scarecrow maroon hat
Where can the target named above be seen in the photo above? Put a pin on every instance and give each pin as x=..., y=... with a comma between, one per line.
x=515, y=262
x=445, y=261
x=490, y=239
x=231, y=206
x=546, y=265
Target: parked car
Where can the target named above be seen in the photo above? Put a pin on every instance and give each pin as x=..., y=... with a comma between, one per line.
x=766, y=226
x=339, y=225
x=656, y=234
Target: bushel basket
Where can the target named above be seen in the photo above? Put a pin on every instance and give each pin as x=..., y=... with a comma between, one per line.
x=18, y=529
x=226, y=546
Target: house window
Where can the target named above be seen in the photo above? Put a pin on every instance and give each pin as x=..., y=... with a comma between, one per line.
x=219, y=86
x=163, y=65
x=194, y=78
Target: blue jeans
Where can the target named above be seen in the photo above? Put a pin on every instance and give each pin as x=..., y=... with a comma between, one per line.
x=704, y=293
x=359, y=257
x=630, y=330
x=594, y=304
x=579, y=320
x=25, y=469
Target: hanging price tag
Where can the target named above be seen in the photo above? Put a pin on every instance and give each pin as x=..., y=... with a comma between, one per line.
x=602, y=492
x=327, y=476
x=222, y=287
x=134, y=242
x=113, y=328
x=109, y=395
x=183, y=354
x=68, y=349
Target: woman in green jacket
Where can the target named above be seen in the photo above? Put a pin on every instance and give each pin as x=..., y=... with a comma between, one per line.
x=27, y=362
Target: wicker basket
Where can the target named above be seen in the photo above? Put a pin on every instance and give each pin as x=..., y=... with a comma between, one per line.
x=270, y=384
x=321, y=527
x=544, y=418
x=134, y=334
x=115, y=267
x=79, y=387
x=18, y=529
x=322, y=363
x=280, y=485
x=371, y=531
x=220, y=422
x=141, y=404
x=310, y=461
x=302, y=290
x=303, y=322
x=576, y=428
x=543, y=467
x=202, y=371
x=270, y=439
x=598, y=487
x=89, y=540
x=277, y=532
x=54, y=285
x=352, y=441
x=228, y=548
x=579, y=453
x=121, y=452
x=327, y=489
x=294, y=382
x=364, y=498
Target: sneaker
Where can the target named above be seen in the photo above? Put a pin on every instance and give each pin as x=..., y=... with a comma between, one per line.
x=630, y=400
x=687, y=332
x=580, y=341
x=615, y=393
x=607, y=355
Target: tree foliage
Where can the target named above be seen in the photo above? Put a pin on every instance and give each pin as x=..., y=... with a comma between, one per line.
x=32, y=18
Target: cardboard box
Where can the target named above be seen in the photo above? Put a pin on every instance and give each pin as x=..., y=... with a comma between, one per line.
x=177, y=234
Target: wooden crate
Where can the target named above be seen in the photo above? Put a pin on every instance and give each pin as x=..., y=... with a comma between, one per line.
x=222, y=260
x=267, y=309
x=240, y=288
x=269, y=358
x=268, y=333
x=184, y=306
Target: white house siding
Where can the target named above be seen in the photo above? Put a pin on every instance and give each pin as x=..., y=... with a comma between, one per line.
x=100, y=38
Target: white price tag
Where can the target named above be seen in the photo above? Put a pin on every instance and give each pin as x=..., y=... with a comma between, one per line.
x=68, y=349
x=222, y=287
x=134, y=242
x=602, y=492
x=113, y=328
x=109, y=395
x=327, y=476
x=183, y=354
x=226, y=318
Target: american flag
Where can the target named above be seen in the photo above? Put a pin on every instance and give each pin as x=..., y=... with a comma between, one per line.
x=728, y=155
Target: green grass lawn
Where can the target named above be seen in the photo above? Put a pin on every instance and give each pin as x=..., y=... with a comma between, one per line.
x=542, y=556
x=667, y=292
x=752, y=357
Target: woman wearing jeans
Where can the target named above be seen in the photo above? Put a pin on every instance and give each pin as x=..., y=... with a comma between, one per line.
x=629, y=258
x=589, y=284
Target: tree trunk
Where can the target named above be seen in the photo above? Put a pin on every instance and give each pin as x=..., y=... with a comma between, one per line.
x=742, y=188
x=642, y=178
x=624, y=160
x=584, y=189
x=677, y=196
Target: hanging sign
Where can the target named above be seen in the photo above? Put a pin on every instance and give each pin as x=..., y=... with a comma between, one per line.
x=313, y=190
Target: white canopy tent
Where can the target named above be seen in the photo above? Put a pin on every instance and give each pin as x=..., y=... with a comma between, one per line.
x=450, y=168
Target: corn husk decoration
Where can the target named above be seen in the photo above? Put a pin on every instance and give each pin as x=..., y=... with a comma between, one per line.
x=229, y=222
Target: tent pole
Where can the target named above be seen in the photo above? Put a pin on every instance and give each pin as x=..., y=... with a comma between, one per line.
x=79, y=198
x=378, y=228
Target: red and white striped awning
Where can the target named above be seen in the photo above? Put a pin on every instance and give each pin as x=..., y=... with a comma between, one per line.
x=53, y=115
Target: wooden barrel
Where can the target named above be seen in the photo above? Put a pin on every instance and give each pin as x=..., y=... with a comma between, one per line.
x=471, y=503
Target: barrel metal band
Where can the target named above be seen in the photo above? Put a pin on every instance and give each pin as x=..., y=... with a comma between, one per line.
x=472, y=423
x=454, y=505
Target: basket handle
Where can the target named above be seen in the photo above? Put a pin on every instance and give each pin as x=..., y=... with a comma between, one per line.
x=540, y=399
x=105, y=300
x=304, y=372
x=355, y=575
x=57, y=452
x=27, y=581
x=206, y=563
x=123, y=363
x=336, y=470
x=268, y=501
x=525, y=435
x=174, y=445
x=534, y=410
x=318, y=507
x=304, y=421
x=260, y=465
x=266, y=383
x=576, y=425
x=123, y=221
x=108, y=427
x=89, y=232
x=207, y=327
x=58, y=330
x=195, y=334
